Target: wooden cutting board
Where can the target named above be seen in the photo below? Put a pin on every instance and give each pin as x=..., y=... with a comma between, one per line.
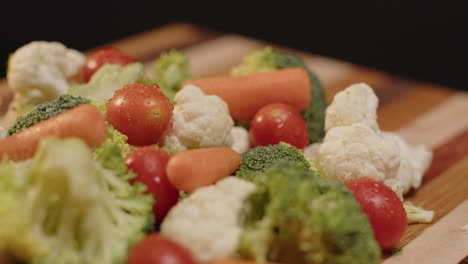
x=423, y=113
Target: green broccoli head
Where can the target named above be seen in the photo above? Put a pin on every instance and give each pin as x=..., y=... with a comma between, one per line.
x=269, y=59
x=295, y=217
x=45, y=111
x=64, y=207
x=263, y=60
x=171, y=70
x=344, y=227
x=258, y=159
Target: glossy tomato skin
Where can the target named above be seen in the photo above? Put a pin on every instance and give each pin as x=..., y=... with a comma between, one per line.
x=278, y=122
x=101, y=56
x=149, y=163
x=383, y=208
x=156, y=249
x=140, y=111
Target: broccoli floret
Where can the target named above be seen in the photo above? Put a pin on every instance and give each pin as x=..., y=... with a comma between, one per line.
x=171, y=70
x=295, y=217
x=113, y=150
x=45, y=111
x=108, y=79
x=258, y=61
x=258, y=159
x=269, y=59
x=63, y=206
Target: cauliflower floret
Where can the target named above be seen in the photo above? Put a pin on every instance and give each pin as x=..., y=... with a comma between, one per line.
x=208, y=222
x=417, y=215
x=356, y=151
x=199, y=121
x=356, y=104
x=240, y=139
x=43, y=70
x=173, y=145
x=414, y=161
x=311, y=151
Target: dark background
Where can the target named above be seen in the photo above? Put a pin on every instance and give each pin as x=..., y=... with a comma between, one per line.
x=423, y=40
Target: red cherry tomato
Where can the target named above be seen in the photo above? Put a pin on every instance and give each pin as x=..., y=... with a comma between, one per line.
x=383, y=208
x=149, y=163
x=274, y=123
x=156, y=249
x=101, y=56
x=140, y=111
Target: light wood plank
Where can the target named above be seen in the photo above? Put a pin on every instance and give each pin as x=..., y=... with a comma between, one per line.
x=413, y=104
x=447, y=154
x=147, y=45
x=442, y=195
x=443, y=243
x=440, y=124
x=219, y=55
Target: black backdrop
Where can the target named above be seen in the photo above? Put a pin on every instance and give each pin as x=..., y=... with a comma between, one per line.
x=425, y=40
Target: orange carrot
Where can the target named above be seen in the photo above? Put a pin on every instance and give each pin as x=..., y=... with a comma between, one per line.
x=84, y=121
x=236, y=261
x=246, y=94
x=195, y=168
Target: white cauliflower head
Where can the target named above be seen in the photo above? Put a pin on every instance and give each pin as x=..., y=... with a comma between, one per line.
x=43, y=69
x=240, y=139
x=414, y=161
x=356, y=104
x=208, y=221
x=356, y=151
x=354, y=146
x=199, y=121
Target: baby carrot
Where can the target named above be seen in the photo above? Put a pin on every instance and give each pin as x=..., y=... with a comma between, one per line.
x=84, y=121
x=246, y=94
x=195, y=168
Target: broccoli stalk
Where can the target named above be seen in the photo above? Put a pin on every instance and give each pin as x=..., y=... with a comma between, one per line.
x=268, y=59
x=45, y=111
x=62, y=206
x=295, y=217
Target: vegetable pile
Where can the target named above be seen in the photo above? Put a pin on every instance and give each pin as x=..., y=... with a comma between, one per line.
x=106, y=163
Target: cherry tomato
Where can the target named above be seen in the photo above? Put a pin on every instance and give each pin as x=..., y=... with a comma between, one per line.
x=156, y=249
x=142, y=112
x=278, y=122
x=383, y=208
x=149, y=163
x=101, y=56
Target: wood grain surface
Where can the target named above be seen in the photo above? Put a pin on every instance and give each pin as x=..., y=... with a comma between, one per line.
x=423, y=113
